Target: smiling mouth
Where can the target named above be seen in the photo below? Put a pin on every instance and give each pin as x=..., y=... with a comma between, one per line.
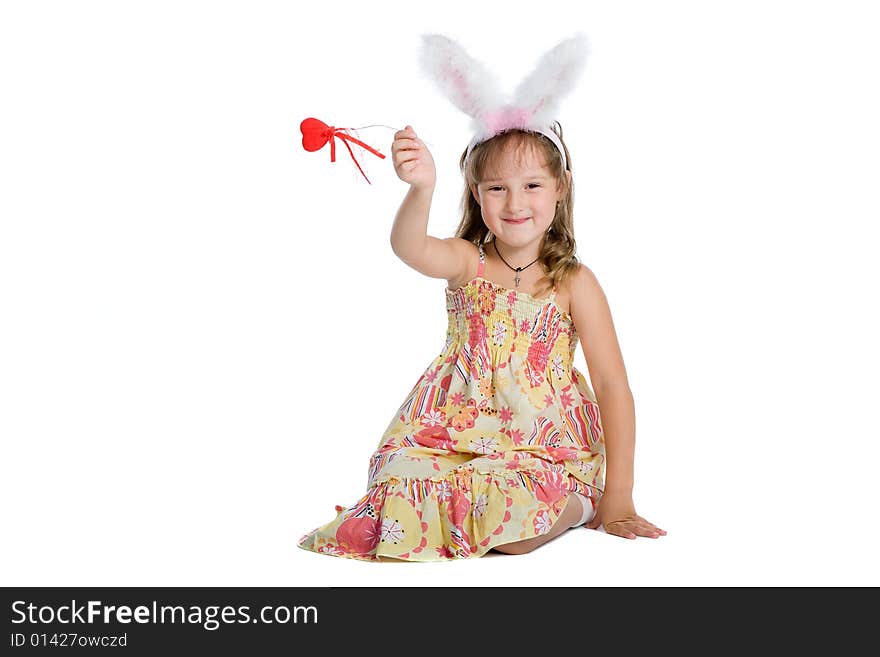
x=517, y=221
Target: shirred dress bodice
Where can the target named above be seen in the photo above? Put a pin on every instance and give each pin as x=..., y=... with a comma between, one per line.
x=482, y=306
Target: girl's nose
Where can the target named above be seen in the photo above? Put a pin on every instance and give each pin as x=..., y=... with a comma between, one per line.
x=514, y=204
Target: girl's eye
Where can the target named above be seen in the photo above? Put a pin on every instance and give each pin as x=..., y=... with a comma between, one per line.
x=492, y=189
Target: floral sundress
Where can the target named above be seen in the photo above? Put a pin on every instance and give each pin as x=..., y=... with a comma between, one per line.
x=487, y=445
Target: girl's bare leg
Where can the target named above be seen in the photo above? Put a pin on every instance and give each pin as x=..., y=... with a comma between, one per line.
x=570, y=515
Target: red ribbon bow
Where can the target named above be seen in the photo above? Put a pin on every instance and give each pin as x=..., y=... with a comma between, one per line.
x=317, y=133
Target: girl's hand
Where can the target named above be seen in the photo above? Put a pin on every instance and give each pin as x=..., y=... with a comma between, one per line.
x=617, y=514
x=412, y=159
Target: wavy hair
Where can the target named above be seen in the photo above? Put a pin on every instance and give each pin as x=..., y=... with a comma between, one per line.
x=558, y=248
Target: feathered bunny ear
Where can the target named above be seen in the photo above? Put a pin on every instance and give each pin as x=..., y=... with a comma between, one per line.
x=473, y=90
x=460, y=77
x=553, y=79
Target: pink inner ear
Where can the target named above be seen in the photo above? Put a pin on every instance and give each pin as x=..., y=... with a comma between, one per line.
x=505, y=118
x=460, y=83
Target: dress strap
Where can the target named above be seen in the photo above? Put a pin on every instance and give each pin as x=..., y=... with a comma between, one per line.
x=482, y=258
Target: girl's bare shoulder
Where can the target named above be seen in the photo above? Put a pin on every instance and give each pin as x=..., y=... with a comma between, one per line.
x=468, y=254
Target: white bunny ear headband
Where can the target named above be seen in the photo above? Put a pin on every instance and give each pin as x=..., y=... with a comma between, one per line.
x=474, y=91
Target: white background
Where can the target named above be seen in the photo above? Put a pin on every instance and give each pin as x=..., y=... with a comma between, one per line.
x=204, y=331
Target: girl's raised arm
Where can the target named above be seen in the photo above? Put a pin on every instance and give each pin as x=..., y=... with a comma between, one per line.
x=410, y=242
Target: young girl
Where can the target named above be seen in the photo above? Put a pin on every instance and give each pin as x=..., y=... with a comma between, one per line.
x=500, y=444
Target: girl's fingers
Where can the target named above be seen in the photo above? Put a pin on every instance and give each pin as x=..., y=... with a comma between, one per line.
x=619, y=528
x=643, y=522
x=651, y=526
x=620, y=531
x=403, y=152
x=645, y=528
x=633, y=528
x=403, y=158
x=651, y=532
x=402, y=144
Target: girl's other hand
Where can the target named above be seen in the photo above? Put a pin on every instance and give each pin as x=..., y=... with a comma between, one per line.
x=617, y=514
x=412, y=159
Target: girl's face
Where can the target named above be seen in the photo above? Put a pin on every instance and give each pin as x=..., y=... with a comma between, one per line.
x=518, y=199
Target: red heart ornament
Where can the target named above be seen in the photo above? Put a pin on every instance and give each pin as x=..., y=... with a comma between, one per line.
x=316, y=133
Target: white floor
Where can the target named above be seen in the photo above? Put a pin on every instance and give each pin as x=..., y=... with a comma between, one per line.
x=253, y=544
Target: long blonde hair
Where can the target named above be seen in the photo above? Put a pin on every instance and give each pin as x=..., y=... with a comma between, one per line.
x=558, y=249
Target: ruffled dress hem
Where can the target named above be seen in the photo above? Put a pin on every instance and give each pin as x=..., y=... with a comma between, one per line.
x=462, y=514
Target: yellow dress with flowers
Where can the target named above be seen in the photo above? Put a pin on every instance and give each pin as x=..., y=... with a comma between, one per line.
x=492, y=438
